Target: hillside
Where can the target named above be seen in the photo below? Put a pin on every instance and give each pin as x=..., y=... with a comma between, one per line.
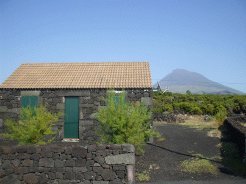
x=180, y=80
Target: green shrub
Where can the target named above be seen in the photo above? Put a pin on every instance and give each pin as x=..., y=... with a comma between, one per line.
x=207, y=109
x=196, y=110
x=221, y=114
x=168, y=108
x=188, y=107
x=206, y=104
x=124, y=122
x=34, y=127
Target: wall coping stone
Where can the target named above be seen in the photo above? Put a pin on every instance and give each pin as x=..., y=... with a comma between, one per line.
x=128, y=158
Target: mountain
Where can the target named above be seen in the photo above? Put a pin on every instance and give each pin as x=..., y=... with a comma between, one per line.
x=180, y=80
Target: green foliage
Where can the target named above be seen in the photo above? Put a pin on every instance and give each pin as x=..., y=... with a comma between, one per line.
x=221, y=114
x=143, y=176
x=188, y=92
x=206, y=104
x=34, y=127
x=186, y=107
x=124, y=122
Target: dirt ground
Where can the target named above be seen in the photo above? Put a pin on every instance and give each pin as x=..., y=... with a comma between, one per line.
x=162, y=159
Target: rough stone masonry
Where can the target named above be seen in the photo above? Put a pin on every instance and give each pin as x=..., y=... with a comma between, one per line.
x=90, y=100
x=67, y=163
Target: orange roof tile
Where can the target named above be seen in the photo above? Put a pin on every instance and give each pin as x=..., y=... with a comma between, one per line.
x=80, y=75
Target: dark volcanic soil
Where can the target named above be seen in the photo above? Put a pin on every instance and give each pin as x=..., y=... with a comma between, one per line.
x=180, y=144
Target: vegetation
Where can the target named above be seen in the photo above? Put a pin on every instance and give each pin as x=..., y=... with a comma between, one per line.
x=207, y=104
x=143, y=176
x=199, y=166
x=243, y=124
x=34, y=127
x=199, y=123
x=221, y=114
x=124, y=122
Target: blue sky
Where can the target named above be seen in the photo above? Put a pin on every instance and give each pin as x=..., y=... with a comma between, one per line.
x=205, y=36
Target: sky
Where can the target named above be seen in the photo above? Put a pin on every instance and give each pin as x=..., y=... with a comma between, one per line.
x=204, y=36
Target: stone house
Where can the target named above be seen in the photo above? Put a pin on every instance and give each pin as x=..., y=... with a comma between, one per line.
x=76, y=89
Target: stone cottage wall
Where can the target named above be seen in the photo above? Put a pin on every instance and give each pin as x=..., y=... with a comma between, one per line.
x=9, y=106
x=67, y=163
x=90, y=100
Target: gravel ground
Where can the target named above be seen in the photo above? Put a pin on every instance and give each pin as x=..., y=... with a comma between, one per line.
x=215, y=181
x=181, y=142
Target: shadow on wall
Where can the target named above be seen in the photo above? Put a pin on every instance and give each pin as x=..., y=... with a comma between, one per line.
x=233, y=151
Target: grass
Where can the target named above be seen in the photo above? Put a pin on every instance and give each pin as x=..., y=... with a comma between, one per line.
x=154, y=167
x=243, y=124
x=160, y=139
x=197, y=122
x=143, y=176
x=198, y=166
x=214, y=133
x=200, y=156
x=219, y=145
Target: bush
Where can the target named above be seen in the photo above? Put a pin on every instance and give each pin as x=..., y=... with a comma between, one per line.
x=221, y=114
x=34, y=127
x=196, y=110
x=122, y=122
x=208, y=109
x=206, y=104
x=168, y=108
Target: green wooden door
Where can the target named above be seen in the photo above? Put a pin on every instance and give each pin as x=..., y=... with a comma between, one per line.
x=31, y=101
x=71, y=123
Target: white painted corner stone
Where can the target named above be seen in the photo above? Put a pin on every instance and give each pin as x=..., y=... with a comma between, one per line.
x=128, y=159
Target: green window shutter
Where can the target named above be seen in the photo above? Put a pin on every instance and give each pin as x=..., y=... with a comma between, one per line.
x=116, y=99
x=31, y=101
x=71, y=123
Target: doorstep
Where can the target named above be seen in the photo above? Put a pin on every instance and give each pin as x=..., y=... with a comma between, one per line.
x=70, y=140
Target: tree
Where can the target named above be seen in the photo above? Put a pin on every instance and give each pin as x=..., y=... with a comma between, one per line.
x=34, y=127
x=123, y=122
x=188, y=92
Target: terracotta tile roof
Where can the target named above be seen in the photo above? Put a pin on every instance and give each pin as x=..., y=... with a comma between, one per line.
x=80, y=75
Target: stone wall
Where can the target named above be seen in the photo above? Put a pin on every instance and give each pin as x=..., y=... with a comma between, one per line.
x=89, y=102
x=236, y=133
x=9, y=105
x=67, y=163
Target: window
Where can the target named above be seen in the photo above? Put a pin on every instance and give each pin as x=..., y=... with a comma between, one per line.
x=117, y=97
x=31, y=101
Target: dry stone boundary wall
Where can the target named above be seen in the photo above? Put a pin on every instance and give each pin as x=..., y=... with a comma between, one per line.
x=67, y=163
x=236, y=133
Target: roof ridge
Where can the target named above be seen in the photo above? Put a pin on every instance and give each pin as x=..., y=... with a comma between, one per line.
x=87, y=62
